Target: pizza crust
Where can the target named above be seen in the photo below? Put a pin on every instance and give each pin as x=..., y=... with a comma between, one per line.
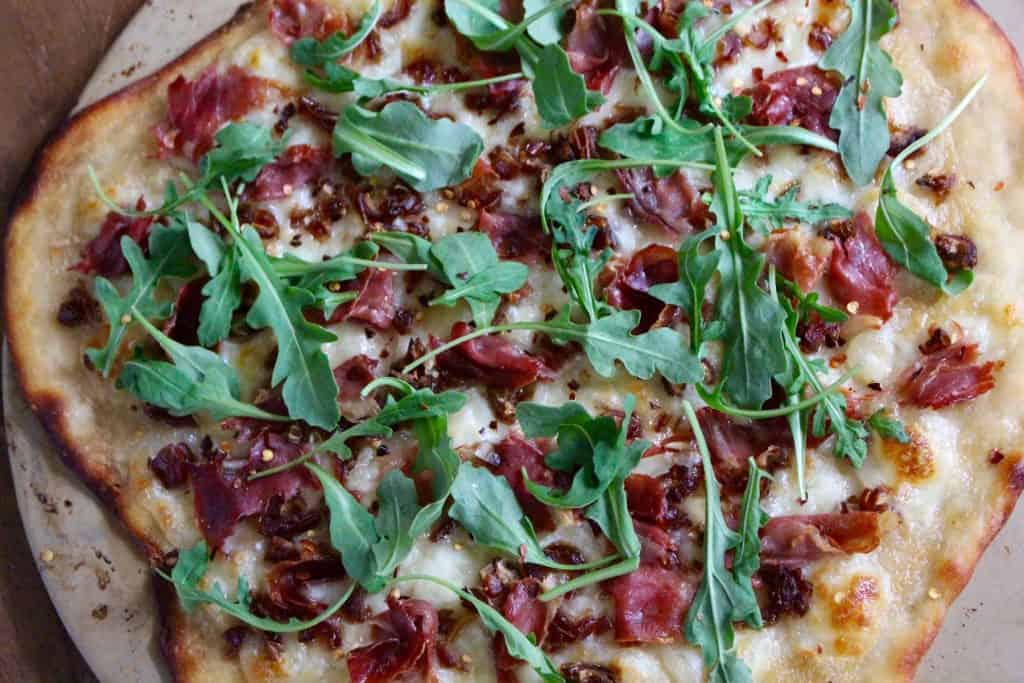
x=98, y=430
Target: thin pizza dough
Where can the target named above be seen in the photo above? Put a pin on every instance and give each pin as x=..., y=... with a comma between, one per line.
x=913, y=518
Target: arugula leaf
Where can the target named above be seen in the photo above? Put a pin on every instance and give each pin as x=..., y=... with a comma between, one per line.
x=426, y=153
x=560, y=93
x=595, y=448
x=170, y=257
x=223, y=293
x=697, y=267
x=859, y=112
x=806, y=304
x=888, y=427
x=747, y=558
x=192, y=566
x=199, y=381
x=474, y=273
x=242, y=150
x=687, y=140
x=546, y=29
x=353, y=531
x=310, y=390
x=750, y=319
x=395, y=524
x=311, y=52
x=904, y=235
x=722, y=597
x=764, y=214
x=518, y=644
x=486, y=507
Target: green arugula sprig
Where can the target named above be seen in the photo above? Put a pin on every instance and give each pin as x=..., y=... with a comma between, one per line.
x=467, y=263
x=765, y=214
x=518, y=644
x=689, y=61
x=371, y=547
x=199, y=381
x=313, y=53
x=426, y=153
x=869, y=77
x=169, y=258
x=904, y=235
x=888, y=427
x=192, y=566
x=725, y=596
x=414, y=405
x=486, y=507
x=560, y=94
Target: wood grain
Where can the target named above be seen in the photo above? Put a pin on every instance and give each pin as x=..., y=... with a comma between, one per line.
x=48, y=49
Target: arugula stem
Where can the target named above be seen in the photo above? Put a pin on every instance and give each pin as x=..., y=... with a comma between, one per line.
x=714, y=400
x=719, y=33
x=796, y=426
x=598, y=201
x=943, y=125
x=288, y=269
x=455, y=87
x=626, y=566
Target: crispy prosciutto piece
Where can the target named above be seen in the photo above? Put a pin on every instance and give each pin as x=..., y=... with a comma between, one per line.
x=493, y=360
x=650, y=605
x=294, y=19
x=948, y=376
x=733, y=443
x=298, y=166
x=799, y=258
x=653, y=265
x=183, y=325
x=596, y=45
x=671, y=202
x=352, y=376
x=482, y=190
x=509, y=459
x=515, y=236
x=526, y=612
x=648, y=499
x=288, y=582
x=197, y=109
x=801, y=97
x=799, y=540
x=407, y=643
x=103, y=255
x=223, y=497
x=375, y=304
x=860, y=270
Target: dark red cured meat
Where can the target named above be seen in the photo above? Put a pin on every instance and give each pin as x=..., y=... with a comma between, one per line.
x=222, y=498
x=297, y=167
x=653, y=265
x=671, y=202
x=482, y=190
x=798, y=258
x=170, y=464
x=861, y=271
x=788, y=98
x=947, y=377
x=799, y=540
x=103, y=255
x=648, y=499
x=511, y=457
x=197, y=109
x=381, y=205
x=650, y=605
x=249, y=428
x=501, y=97
x=288, y=582
x=492, y=360
x=353, y=375
x=515, y=236
x=526, y=612
x=396, y=13
x=407, y=644
x=287, y=520
x=733, y=443
x=183, y=326
x=294, y=19
x=596, y=45
x=374, y=305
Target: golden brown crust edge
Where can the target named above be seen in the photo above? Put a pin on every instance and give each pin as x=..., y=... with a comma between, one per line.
x=52, y=409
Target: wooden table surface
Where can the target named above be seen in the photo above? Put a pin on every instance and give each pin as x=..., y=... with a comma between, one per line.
x=48, y=49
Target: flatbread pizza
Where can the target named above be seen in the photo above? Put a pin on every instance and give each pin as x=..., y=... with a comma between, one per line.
x=586, y=340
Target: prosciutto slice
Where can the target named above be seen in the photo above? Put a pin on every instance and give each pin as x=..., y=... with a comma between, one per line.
x=800, y=97
x=653, y=265
x=493, y=360
x=860, y=271
x=799, y=540
x=407, y=643
x=948, y=376
x=103, y=255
